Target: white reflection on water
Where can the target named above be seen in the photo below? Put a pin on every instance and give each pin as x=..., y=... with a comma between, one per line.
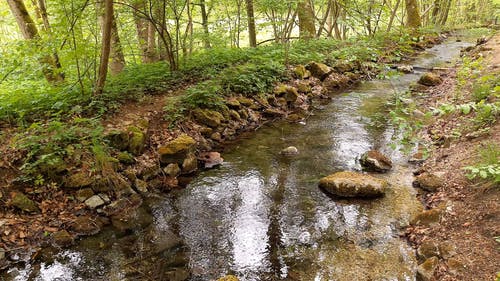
x=250, y=226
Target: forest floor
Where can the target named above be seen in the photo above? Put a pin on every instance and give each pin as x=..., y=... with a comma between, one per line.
x=470, y=213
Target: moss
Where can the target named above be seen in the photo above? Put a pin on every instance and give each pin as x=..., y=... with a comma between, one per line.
x=21, y=201
x=176, y=150
x=208, y=117
x=125, y=158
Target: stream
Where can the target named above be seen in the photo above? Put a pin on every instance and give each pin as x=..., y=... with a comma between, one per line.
x=261, y=216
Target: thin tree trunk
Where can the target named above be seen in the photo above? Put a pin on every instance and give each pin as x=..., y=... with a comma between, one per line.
x=204, y=23
x=117, y=59
x=107, y=26
x=413, y=20
x=30, y=32
x=307, y=28
x=252, y=35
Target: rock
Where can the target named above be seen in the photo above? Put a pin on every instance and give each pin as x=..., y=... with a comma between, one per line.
x=429, y=181
x=234, y=115
x=304, y=88
x=447, y=250
x=233, y=103
x=190, y=164
x=427, y=217
x=228, y=278
x=374, y=160
x=94, y=202
x=301, y=72
x=118, y=139
x=142, y=186
x=289, y=151
x=86, y=225
x=245, y=101
x=208, y=117
x=131, y=218
x=344, y=66
x=137, y=141
x=177, y=150
x=84, y=194
x=430, y=79
x=78, y=180
x=271, y=112
x=125, y=158
x=425, y=271
x=211, y=159
x=352, y=184
x=62, y=238
x=428, y=249
x=22, y=202
x=405, y=68
x=172, y=170
x=319, y=70
x=216, y=137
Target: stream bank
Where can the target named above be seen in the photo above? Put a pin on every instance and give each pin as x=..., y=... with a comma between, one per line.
x=261, y=215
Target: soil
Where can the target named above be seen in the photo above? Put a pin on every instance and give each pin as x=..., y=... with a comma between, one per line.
x=470, y=221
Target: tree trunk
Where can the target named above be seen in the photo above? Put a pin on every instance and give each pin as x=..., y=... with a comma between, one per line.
x=107, y=26
x=413, y=20
x=204, y=23
x=252, y=35
x=117, y=59
x=307, y=28
x=28, y=28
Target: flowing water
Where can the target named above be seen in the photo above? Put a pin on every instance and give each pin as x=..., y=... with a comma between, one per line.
x=261, y=216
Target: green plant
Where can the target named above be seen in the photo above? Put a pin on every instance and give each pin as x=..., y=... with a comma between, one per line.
x=489, y=164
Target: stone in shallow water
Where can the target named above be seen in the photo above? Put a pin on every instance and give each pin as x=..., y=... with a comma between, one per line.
x=352, y=184
x=374, y=160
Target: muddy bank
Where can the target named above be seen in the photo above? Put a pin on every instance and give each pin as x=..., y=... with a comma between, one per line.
x=457, y=237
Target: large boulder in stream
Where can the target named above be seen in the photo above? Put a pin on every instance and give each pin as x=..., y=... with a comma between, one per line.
x=374, y=160
x=177, y=150
x=430, y=79
x=352, y=184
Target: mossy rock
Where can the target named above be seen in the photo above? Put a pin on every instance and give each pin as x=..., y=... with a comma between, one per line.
x=233, y=103
x=137, y=141
x=352, y=184
x=425, y=271
x=319, y=70
x=208, y=117
x=118, y=139
x=177, y=150
x=125, y=158
x=78, y=180
x=430, y=79
x=190, y=164
x=301, y=72
x=22, y=202
x=245, y=101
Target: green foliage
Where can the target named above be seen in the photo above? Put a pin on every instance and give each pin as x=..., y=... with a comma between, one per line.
x=50, y=146
x=252, y=78
x=488, y=167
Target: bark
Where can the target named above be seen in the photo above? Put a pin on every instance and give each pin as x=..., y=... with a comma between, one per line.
x=413, y=20
x=252, y=35
x=117, y=59
x=50, y=64
x=107, y=26
x=145, y=33
x=305, y=12
x=204, y=23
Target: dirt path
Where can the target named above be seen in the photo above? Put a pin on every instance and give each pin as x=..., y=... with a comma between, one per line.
x=465, y=239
